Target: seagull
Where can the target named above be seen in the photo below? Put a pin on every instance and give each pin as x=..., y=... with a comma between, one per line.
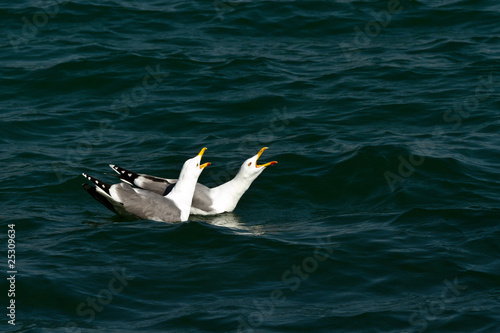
x=125, y=200
x=206, y=201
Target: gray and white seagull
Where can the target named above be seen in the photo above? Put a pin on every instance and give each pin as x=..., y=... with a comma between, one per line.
x=126, y=200
x=206, y=201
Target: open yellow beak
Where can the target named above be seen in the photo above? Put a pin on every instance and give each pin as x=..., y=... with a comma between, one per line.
x=202, y=151
x=201, y=154
x=263, y=165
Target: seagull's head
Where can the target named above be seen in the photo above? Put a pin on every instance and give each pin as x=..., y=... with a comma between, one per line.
x=193, y=166
x=250, y=169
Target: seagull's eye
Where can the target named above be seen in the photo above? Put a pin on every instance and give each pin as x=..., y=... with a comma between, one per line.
x=249, y=164
x=197, y=164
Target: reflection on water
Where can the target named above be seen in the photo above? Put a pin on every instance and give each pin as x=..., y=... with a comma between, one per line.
x=225, y=220
x=231, y=221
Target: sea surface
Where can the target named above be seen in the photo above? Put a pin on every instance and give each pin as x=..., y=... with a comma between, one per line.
x=382, y=214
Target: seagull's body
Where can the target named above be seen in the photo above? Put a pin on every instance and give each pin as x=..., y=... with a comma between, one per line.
x=127, y=200
x=206, y=201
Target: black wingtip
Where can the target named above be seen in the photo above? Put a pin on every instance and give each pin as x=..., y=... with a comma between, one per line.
x=124, y=174
x=99, y=197
x=102, y=185
x=115, y=168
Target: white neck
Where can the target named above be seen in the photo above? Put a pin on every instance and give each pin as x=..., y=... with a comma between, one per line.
x=182, y=194
x=228, y=194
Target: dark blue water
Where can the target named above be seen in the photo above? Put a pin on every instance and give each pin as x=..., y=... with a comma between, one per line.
x=382, y=214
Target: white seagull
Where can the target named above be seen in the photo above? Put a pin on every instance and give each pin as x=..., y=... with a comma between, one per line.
x=206, y=201
x=173, y=207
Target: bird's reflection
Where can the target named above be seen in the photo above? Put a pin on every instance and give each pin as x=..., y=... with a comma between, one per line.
x=231, y=221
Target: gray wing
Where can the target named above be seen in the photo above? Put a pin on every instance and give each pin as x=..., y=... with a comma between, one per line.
x=146, y=204
x=154, y=184
x=101, y=193
x=201, y=198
